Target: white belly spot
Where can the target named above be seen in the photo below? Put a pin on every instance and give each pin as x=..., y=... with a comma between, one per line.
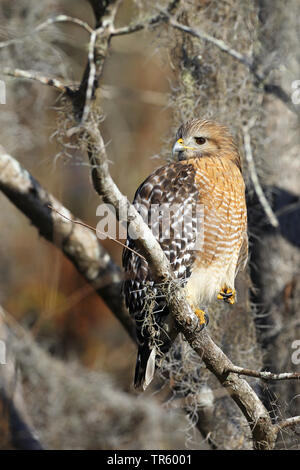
x=205, y=283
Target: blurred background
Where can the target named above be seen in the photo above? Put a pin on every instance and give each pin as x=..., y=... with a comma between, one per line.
x=153, y=80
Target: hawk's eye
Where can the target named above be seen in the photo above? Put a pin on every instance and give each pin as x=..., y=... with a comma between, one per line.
x=200, y=140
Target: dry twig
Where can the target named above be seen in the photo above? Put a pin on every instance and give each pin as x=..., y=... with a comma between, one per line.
x=254, y=177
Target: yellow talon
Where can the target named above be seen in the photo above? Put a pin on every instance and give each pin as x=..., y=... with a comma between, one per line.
x=201, y=315
x=228, y=295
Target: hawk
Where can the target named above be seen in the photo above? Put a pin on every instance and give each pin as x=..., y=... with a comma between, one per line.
x=206, y=174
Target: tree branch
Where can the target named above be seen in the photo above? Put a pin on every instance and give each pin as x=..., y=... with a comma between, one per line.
x=79, y=244
x=247, y=61
x=288, y=423
x=254, y=177
x=31, y=75
x=264, y=375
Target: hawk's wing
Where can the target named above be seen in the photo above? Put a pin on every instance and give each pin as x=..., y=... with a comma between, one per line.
x=168, y=195
x=171, y=190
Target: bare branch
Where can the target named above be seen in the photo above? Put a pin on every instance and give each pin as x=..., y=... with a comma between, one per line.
x=265, y=375
x=31, y=75
x=126, y=213
x=63, y=19
x=288, y=423
x=92, y=73
x=134, y=28
x=254, y=177
x=44, y=25
x=264, y=435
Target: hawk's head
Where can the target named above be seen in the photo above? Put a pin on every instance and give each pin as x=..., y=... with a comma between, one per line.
x=200, y=138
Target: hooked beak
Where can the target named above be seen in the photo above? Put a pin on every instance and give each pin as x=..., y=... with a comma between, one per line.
x=180, y=147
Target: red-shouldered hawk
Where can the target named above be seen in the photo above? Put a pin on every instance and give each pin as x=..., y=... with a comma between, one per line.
x=206, y=175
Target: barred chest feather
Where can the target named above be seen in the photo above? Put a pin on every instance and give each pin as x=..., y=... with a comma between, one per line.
x=224, y=229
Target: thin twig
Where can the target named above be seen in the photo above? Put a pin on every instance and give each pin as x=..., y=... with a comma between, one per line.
x=64, y=19
x=45, y=24
x=288, y=423
x=264, y=375
x=96, y=230
x=92, y=74
x=217, y=42
x=31, y=75
x=254, y=177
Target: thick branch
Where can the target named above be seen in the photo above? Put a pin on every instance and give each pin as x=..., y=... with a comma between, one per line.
x=264, y=435
x=78, y=243
x=216, y=42
x=125, y=212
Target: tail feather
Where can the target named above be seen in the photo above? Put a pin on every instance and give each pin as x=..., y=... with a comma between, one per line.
x=145, y=367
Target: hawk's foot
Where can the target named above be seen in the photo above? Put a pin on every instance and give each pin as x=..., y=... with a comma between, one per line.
x=202, y=317
x=228, y=295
